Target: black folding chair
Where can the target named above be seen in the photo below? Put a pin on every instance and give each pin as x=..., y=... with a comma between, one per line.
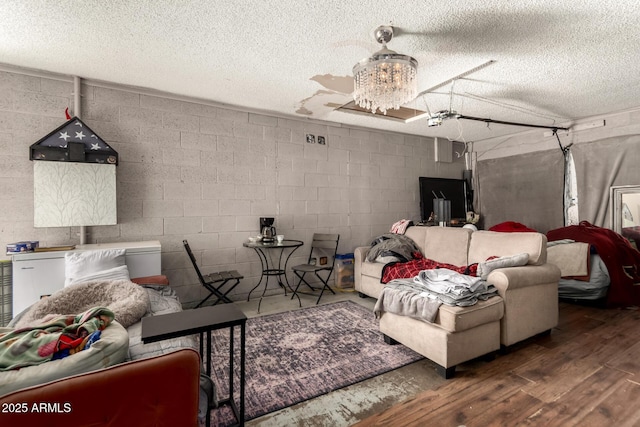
x=323, y=249
x=214, y=282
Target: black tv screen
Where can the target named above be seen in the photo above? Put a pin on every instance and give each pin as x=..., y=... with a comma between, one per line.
x=452, y=189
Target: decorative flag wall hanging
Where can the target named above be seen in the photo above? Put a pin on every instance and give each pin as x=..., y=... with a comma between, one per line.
x=74, y=141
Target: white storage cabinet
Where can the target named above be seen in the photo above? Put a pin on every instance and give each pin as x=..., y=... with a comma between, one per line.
x=38, y=274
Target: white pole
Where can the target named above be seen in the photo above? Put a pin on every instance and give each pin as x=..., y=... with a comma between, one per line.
x=77, y=111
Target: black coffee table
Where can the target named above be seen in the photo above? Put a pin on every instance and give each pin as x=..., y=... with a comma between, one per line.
x=201, y=320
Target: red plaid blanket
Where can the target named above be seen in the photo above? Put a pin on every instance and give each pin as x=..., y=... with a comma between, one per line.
x=403, y=270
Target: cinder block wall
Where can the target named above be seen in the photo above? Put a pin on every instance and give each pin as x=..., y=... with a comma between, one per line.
x=206, y=173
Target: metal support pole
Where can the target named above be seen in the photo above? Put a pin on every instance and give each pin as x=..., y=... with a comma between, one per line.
x=501, y=122
x=77, y=111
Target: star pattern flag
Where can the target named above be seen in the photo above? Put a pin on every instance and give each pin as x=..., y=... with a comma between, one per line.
x=74, y=141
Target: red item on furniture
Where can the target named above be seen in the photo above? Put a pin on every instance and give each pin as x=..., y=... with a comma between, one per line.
x=159, y=279
x=403, y=270
x=158, y=391
x=512, y=227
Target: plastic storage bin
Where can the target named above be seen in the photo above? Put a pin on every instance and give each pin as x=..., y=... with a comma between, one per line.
x=344, y=271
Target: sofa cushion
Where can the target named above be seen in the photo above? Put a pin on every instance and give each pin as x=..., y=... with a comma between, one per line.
x=442, y=244
x=456, y=319
x=485, y=244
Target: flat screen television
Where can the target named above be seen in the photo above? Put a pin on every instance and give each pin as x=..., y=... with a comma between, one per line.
x=452, y=189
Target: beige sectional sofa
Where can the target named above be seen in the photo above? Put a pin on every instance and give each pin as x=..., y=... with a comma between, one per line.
x=527, y=305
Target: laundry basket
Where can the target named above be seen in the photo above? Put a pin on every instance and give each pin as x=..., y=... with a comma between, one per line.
x=6, y=285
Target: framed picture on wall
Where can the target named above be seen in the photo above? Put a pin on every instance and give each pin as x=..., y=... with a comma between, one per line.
x=625, y=211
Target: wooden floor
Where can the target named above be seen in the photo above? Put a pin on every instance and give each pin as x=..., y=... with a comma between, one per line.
x=585, y=373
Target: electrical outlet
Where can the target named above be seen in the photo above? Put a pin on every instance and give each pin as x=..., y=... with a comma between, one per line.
x=311, y=139
x=321, y=140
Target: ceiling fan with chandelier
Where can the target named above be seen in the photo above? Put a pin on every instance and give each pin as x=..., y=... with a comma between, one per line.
x=387, y=80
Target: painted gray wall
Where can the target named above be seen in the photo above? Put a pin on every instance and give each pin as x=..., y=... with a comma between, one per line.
x=526, y=189
x=521, y=176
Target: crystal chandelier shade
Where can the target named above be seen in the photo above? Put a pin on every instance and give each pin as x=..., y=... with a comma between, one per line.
x=385, y=80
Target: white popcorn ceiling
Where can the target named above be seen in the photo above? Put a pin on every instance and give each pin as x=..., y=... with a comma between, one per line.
x=556, y=61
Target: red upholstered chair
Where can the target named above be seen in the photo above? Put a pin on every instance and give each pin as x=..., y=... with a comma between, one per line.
x=161, y=391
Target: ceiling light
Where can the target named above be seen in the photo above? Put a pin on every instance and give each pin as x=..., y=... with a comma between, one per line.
x=385, y=80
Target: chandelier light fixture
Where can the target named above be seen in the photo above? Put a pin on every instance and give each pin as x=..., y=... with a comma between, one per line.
x=386, y=79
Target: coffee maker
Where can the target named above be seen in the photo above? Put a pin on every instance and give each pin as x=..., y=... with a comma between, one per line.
x=267, y=230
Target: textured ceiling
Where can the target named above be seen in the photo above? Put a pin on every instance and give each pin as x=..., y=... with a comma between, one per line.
x=556, y=61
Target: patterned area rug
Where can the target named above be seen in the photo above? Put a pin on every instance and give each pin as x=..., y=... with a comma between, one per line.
x=298, y=355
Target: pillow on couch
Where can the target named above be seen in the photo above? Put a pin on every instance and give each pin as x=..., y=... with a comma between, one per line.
x=85, y=263
x=486, y=267
x=117, y=273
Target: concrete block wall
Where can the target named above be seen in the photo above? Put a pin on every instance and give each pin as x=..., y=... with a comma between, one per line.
x=206, y=173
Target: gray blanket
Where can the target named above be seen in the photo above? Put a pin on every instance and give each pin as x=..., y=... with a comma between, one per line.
x=128, y=301
x=395, y=245
x=401, y=297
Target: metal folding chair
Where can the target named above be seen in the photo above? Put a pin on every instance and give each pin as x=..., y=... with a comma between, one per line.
x=214, y=282
x=323, y=250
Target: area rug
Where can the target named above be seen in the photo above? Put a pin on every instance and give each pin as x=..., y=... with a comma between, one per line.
x=298, y=355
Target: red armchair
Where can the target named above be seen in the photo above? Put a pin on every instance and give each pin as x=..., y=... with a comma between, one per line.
x=158, y=391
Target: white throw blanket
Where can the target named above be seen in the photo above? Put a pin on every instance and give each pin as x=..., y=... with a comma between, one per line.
x=128, y=301
x=445, y=281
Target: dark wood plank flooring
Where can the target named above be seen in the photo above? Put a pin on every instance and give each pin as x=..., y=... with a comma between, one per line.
x=585, y=373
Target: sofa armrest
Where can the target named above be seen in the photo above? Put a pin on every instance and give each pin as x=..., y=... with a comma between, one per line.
x=530, y=296
x=159, y=391
x=360, y=254
x=524, y=276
